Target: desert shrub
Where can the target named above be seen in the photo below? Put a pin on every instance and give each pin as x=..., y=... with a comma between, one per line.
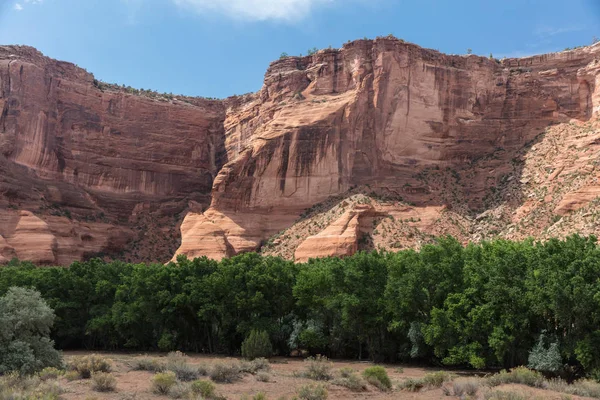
x=501, y=395
x=584, y=388
x=412, y=385
x=50, y=373
x=462, y=388
x=519, y=375
x=257, y=345
x=346, y=372
x=203, y=370
x=263, y=377
x=104, y=382
x=436, y=379
x=259, y=396
x=179, y=391
x=87, y=365
x=72, y=375
x=399, y=370
x=177, y=363
x=148, y=364
x=312, y=392
x=225, y=373
x=258, y=364
x=545, y=358
x=184, y=372
x=206, y=389
x=377, y=376
x=317, y=368
x=351, y=380
x=25, y=321
x=163, y=382
x=19, y=387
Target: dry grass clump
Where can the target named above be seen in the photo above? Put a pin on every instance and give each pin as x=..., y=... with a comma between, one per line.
x=354, y=383
x=317, y=368
x=528, y=377
x=411, y=385
x=72, y=375
x=263, y=376
x=254, y=366
x=519, y=375
x=16, y=387
x=49, y=373
x=177, y=362
x=163, y=382
x=313, y=392
x=104, y=382
x=432, y=380
x=206, y=389
x=501, y=395
x=149, y=364
x=87, y=365
x=465, y=387
x=584, y=388
x=435, y=380
x=225, y=372
x=179, y=391
x=378, y=377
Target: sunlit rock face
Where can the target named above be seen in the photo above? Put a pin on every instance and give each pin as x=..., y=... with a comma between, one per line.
x=88, y=169
x=377, y=113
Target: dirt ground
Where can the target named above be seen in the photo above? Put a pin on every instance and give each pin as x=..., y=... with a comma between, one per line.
x=284, y=384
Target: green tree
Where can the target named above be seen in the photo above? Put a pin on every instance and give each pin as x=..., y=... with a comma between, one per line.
x=25, y=323
x=257, y=345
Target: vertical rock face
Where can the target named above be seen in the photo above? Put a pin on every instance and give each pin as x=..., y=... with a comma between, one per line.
x=381, y=114
x=96, y=156
x=91, y=169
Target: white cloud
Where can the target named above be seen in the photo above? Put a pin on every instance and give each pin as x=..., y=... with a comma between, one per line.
x=256, y=10
x=19, y=6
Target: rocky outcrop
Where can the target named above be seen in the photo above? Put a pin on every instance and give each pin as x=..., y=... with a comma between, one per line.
x=338, y=240
x=93, y=169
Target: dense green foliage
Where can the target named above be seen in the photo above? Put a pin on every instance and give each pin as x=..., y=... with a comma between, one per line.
x=484, y=305
x=25, y=322
x=257, y=345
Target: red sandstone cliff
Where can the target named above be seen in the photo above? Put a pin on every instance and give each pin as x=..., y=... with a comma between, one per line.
x=386, y=115
x=86, y=164
x=434, y=142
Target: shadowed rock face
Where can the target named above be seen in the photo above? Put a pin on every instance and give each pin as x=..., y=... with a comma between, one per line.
x=87, y=171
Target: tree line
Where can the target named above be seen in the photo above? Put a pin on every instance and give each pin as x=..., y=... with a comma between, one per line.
x=489, y=305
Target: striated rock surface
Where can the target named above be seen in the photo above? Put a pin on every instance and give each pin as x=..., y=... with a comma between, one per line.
x=380, y=144
x=435, y=131
x=100, y=156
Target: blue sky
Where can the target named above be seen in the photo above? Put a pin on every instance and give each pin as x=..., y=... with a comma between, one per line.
x=217, y=48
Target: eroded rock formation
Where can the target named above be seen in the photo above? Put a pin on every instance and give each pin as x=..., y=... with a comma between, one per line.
x=446, y=140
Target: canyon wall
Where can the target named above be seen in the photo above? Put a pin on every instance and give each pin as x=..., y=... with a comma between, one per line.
x=91, y=169
x=80, y=165
x=381, y=114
